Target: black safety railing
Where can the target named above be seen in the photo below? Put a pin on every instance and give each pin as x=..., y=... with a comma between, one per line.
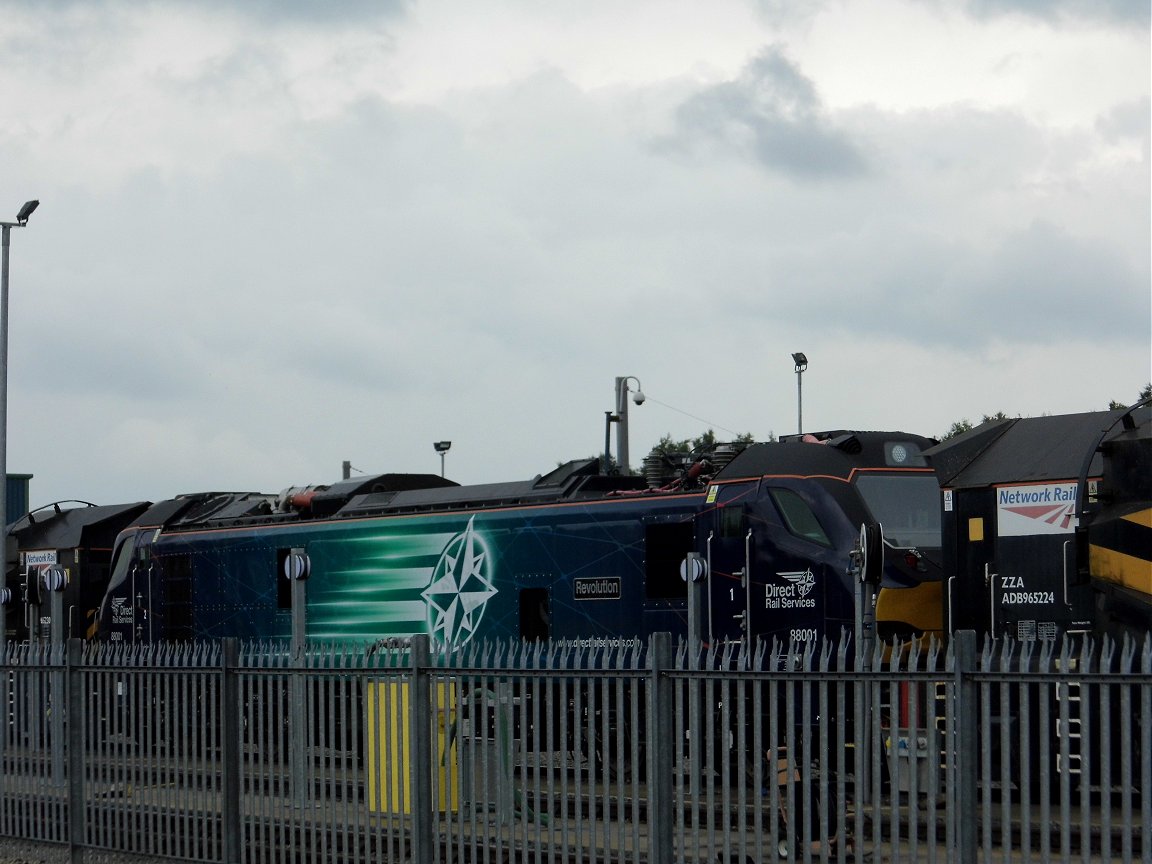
x=586, y=750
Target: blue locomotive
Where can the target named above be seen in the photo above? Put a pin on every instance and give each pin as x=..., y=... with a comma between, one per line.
x=573, y=554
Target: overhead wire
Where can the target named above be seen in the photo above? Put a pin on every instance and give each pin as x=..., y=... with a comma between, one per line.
x=693, y=416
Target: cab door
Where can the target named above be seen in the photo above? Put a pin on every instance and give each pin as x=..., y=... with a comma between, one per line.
x=728, y=540
x=124, y=613
x=797, y=565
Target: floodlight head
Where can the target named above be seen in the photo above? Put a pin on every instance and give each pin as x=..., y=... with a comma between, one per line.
x=800, y=359
x=442, y=446
x=26, y=211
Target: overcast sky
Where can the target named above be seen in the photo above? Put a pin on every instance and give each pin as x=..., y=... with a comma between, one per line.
x=278, y=235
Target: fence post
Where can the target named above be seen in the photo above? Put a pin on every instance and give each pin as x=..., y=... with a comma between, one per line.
x=661, y=744
x=57, y=648
x=420, y=749
x=230, y=748
x=298, y=688
x=75, y=744
x=1144, y=721
x=967, y=746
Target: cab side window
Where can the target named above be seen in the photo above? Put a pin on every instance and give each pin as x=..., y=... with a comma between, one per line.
x=733, y=521
x=666, y=544
x=798, y=516
x=535, y=617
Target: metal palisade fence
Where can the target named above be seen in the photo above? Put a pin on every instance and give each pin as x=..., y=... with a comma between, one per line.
x=585, y=750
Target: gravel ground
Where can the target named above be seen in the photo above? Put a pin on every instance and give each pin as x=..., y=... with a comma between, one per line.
x=22, y=852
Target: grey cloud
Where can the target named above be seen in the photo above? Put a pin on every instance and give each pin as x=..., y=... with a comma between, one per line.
x=1039, y=285
x=1123, y=12
x=1127, y=121
x=1042, y=284
x=789, y=11
x=314, y=11
x=320, y=12
x=773, y=112
x=274, y=233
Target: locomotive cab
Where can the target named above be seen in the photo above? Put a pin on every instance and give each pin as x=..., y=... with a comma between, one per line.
x=782, y=519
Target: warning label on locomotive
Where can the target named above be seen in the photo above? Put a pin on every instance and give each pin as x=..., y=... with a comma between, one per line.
x=1038, y=508
x=607, y=588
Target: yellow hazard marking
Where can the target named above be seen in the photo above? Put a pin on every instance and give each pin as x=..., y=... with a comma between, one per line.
x=1144, y=517
x=1126, y=570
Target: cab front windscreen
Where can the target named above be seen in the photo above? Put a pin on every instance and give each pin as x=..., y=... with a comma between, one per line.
x=906, y=505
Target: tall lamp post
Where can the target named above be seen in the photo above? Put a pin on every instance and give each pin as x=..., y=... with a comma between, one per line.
x=442, y=447
x=21, y=221
x=801, y=364
x=622, y=390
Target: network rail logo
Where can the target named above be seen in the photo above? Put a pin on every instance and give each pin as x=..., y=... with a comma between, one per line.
x=1036, y=509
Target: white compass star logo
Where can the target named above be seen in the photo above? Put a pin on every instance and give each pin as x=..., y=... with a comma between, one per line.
x=804, y=580
x=459, y=589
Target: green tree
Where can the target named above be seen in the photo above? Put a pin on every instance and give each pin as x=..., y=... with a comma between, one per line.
x=667, y=444
x=957, y=428
x=705, y=441
x=965, y=425
x=1145, y=393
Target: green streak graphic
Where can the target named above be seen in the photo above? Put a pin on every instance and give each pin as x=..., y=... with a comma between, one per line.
x=368, y=579
x=395, y=609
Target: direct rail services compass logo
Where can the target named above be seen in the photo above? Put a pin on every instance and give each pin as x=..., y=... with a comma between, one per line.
x=794, y=595
x=804, y=580
x=460, y=588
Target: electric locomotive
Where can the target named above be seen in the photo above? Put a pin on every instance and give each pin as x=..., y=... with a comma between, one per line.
x=572, y=556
